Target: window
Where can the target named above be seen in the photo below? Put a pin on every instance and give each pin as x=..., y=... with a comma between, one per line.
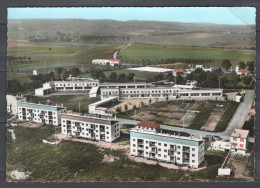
x=235, y=139
x=165, y=156
x=133, y=145
x=165, y=150
x=241, y=140
x=133, y=150
x=159, y=144
x=133, y=139
x=193, y=149
x=193, y=161
x=159, y=149
x=146, y=152
x=146, y=142
x=146, y=147
x=178, y=158
x=241, y=145
x=159, y=155
x=178, y=147
x=107, y=132
x=165, y=145
x=193, y=155
x=178, y=153
x=234, y=145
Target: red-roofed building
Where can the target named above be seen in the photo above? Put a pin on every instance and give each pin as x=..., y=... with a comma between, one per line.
x=242, y=71
x=239, y=141
x=35, y=71
x=177, y=72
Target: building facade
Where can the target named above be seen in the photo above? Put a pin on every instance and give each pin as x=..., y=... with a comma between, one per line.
x=146, y=141
x=66, y=86
x=162, y=93
x=40, y=113
x=12, y=106
x=100, y=129
x=239, y=141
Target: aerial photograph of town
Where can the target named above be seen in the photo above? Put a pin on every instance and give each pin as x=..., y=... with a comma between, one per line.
x=130, y=94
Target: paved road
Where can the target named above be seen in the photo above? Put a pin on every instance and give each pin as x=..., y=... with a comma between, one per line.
x=126, y=46
x=235, y=122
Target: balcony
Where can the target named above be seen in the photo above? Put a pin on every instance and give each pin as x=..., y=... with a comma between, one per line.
x=170, y=153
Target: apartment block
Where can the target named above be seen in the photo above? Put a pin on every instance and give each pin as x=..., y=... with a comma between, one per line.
x=147, y=140
x=93, y=128
x=40, y=113
x=12, y=106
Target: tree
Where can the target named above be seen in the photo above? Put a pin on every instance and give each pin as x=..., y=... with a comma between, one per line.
x=250, y=66
x=242, y=65
x=122, y=77
x=247, y=80
x=226, y=64
x=74, y=71
x=14, y=87
x=130, y=77
x=126, y=107
x=118, y=109
x=113, y=76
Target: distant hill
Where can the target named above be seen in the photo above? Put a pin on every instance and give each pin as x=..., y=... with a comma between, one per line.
x=22, y=29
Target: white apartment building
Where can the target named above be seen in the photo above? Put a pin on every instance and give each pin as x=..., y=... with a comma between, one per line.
x=148, y=141
x=239, y=141
x=66, y=86
x=12, y=101
x=40, y=113
x=100, y=129
x=109, y=62
x=162, y=93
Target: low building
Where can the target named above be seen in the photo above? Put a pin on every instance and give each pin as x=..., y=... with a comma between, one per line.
x=171, y=93
x=178, y=72
x=108, y=62
x=12, y=106
x=101, y=107
x=239, y=141
x=151, y=69
x=148, y=141
x=35, y=71
x=220, y=146
x=100, y=129
x=242, y=72
x=40, y=113
x=238, y=97
x=80, y=85
x=46, y=89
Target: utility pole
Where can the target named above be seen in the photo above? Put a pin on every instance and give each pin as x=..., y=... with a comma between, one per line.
x=219, y=83
x=135, y=118
x=79, y=107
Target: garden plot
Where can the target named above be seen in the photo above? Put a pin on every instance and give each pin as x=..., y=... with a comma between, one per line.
x=187, y=119
x=213, y=120
x=143, y=116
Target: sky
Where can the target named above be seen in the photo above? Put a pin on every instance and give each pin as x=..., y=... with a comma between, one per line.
x=215, y=15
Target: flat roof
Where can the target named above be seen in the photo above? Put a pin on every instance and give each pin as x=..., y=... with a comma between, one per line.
x=40, y=106
x=89, y=119
x=121, y=83
x=189, y=141
x=240, y=133
x=151, y=69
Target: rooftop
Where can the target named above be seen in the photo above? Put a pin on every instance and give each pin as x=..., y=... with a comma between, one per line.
x=178, y=70
x=240, y=133
x=113, y=60
x=149, y=124
x=244, y=71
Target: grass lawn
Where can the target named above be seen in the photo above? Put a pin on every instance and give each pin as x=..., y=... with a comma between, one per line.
x=137, y=52
x=60, y=55
x=70, y=101
x=19, y=77
x=138, y=74
x=75, y=161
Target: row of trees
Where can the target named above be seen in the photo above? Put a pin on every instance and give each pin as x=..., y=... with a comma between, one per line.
x=250, y=65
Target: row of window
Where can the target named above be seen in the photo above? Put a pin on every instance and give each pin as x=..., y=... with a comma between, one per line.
x=236, y=139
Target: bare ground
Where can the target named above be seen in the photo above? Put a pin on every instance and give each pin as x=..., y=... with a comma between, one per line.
x=213, y=120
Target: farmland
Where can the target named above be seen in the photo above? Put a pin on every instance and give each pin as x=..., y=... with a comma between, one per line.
x=137, y=52
x=55, y=56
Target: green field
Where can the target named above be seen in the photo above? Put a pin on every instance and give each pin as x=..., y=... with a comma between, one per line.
x=137, y=52
x=59, y=55
x=138, y=74
x=70, y=101
x=75, y=161
x=20, y=77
